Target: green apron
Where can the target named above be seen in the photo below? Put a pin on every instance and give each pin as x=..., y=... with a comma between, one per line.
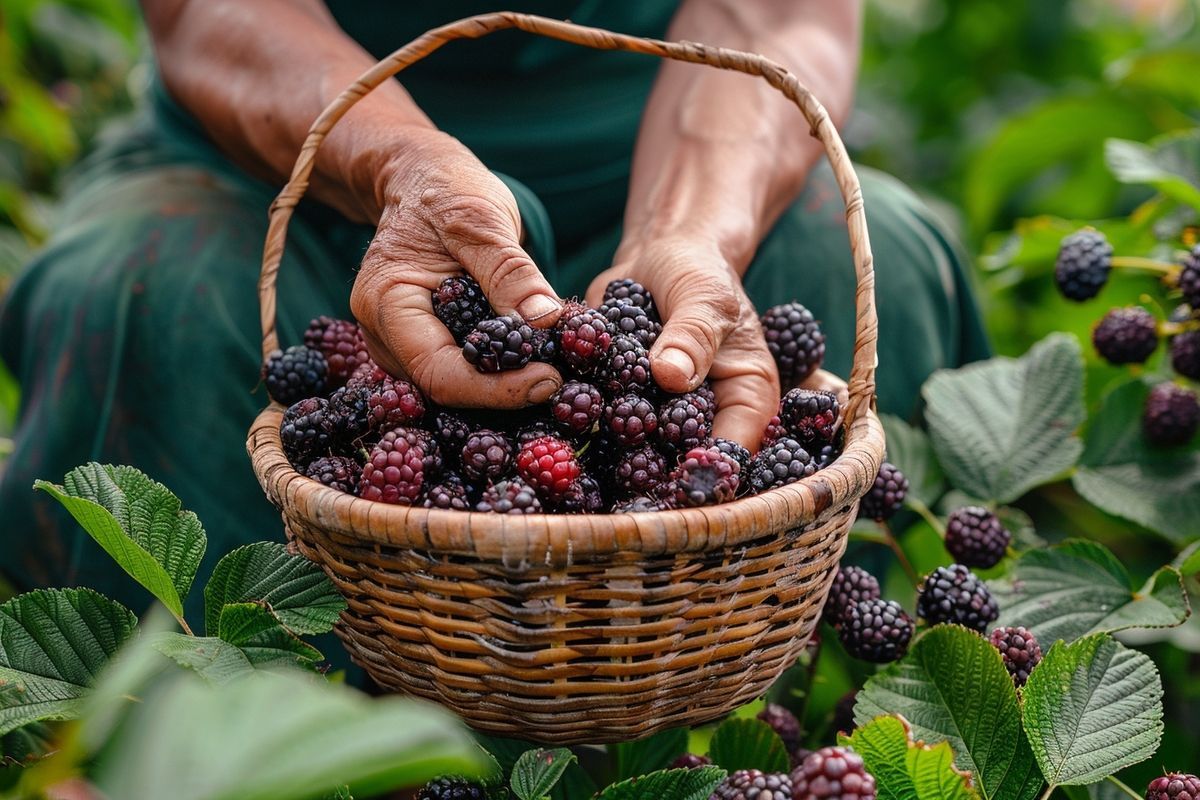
x=135, y=334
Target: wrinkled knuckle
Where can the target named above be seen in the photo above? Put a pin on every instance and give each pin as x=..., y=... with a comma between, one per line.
x=468, y=218
x=510, y=267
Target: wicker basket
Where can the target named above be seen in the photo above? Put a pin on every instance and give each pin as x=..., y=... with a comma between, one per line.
x=571, y=629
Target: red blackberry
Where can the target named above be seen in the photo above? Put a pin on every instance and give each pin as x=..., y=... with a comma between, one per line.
x=627, y=319
x=1171, y=415
x=833, y=773
x=341, y=341
x=975, y=537
x=395, y=402
x=451, y=431
x=452, y=788
x=1084, y=260
x=782, y=462
x=682, y=423
x=1185, y=354
x=783, y=722
x=305, y=431
x=630, y=419
x=735, y=451
x=690, y=761
x=886, y=495
x=751, y=784
x=577, y=406
x=955, y=595
x=627, y=290
x=626, y=367
x=336, y=472
x=640, y=470
x=512, y=496
x=636, y=505
x=1174, y=786
x=1020, y=651
x=876, y=630
x=450, y=492
x=545, y=345
x=584, y=337
x=548, y=464
x=1189, y=278
x=348, y=413
x=705, y=477
x=460, y=304
x=366, y=376
x=499, y=344
x=809, y=416
x=294, y=374
x=581, y=497
x=795, y=340
x=772, y=433
x=395, y=469
x=487, y=455
x=850, y=586
x=1126, y=335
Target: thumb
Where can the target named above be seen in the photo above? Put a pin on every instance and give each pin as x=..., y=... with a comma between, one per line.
x=699, y=316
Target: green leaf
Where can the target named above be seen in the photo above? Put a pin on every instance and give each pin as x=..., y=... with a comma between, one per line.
x=909, y=448
x=216, y=661
x=297, y=592
x=740, y=743
x=139, y=523
x=1168, y=163
x=655, y=752
x=908, y=770
x=54, y=644
x=1002, y=427
x=670, y=784
x=953, y=687
x=1121, y=474
x=254, y=630
x=1079, y=587
x=536, y=772
x=340, y=793
x=1091, y=708
x=26, y=744
x=1189, y=560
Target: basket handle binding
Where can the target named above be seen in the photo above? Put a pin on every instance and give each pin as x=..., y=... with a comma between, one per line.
x=861, y=388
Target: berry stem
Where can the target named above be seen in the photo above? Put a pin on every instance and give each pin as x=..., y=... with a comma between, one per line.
x=1049, y=791
x=183, y=624
x=1124, y=787
x=885, y=537
x=1144, y=264
x=923, y=510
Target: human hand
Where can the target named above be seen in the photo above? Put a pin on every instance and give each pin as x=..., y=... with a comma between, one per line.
x=444, y=213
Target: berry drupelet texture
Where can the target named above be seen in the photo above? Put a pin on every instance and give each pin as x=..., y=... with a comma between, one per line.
x=451, y=430
x=630, y=291
x=1020, y=651
x=851, y=585
x=459, y=303
x=1189, y=278
x=499, y=344
x=1171, y=415
x=1174, y=786
x=627, y=319
x=876, y=630
x=1126, y=335
x=886, y=495
x=581, y=497
x=1083, y=264
x=395, y=402
x=545, y=345
x=783, y=722
x=955, y=595
x=705, y=477
x=294, y=374
x=341, y=341
x=735, y=451
x=305, y=431
x=689, y=761
x=630, y=419
x=773, y=432
x=486, y=456
x=636, y=505
x=449, y=493
x=452, y=788
x=682, y=423
x=975, y=537
x=809, y=417
x=640, y=471
x=795, y=340
x=584, y=338
x=548, y=464
x=395, y=469
x=782, y=462
x=1185, y=354
x=833, y=773
x=626, y=367
x=576, y=407
x=336, y=472
x=349, y=413
x=512, y=496
x=751, y=784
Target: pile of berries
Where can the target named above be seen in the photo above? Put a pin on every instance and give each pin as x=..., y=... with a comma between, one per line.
x=608, y=441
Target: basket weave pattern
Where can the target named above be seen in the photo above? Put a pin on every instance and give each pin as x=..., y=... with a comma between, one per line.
x=582, y=628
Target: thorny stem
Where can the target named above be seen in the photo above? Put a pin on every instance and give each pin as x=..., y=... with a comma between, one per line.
x=1124, y=787
x=1145, y=264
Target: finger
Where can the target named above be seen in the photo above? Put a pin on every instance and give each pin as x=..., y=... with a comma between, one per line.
x=746, y=383
x=699, y=316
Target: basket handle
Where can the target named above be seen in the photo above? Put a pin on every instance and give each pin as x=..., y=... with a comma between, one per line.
x=862, y=375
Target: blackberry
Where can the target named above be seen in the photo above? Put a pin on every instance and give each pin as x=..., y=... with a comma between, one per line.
x=451, y=431
x=460, y=304
x=499, y=344
x=851, y=586
x=704, y=397
x=809, y=416
x=876, y=630
x=782, y=462
x=1126, y=335
x=305, y=431
x=636, y=505
x=955, y=595
x=452, y=788
x=584, y=337
x=630, y=419
x=545, y=345
x=533, y=430
x=690, y=761
x=1020, y=651
x=843, y=712
x=548, y=464
x=682, y=423
x=783, y=722
x=395, y=468
x=1174, y=786
x=751, y=784
x=836, y=773
x=795, y=340
x=450, y=492
x=627, y=319
x=1171, y=415
x=886, y=495
x=1185, y=354
x=626, y=366
x=348, y=413
x=772, y=433
x=512, y=496
x=975, y=537
x=1084, y=260
x=576, y=407
x=1189, y=278
x=581, y=497
x=828, y=454
x=294, y=374
x=705, y=477
x=395, y=402
x=366, y=376
x=341, y=341
x=486, y=456
x=627, y=290
x=641, y=470
x=735, y=451
x=336, y=472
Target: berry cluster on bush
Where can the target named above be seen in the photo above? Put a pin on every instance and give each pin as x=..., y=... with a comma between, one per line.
x=869, y=627
x=608, y=440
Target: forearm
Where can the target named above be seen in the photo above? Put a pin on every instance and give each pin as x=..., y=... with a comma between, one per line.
x=720, y=155
x=256, y=74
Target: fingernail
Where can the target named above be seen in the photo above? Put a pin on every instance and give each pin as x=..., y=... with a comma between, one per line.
x=538, y=306
x=682, y=362
x=541, y=391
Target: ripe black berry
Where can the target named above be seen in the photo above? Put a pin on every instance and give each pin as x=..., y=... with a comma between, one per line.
x=954, y=594
x=395, y=469
x=305, y=431
x=512, y=496
x=499, y=344
x=581, y=497
x=545, y=345
x=876, y=630
x=780, y=463
x=348, y=413
x=459, y=303
x=626, y=367
x=1185, y=354
x=783, y=722
x=886, y=495
x=705, y=477
x=625, y=318
x=630, y=419
x=576, y=407
x=452, y=788
x=1020, y=651
x=1126, y=335
x=640, y=471
x=833, y=773
x=341, y=341
x=809, y=416
x=1189, y=277
x=336, y=472
x=294, y=374
x=682, y=423
x=1174, y=786
x=584, y=337
x=975, y=537
x=1084, y=260
x=735, y=451
x=632, y=292
x=751, y=784
x=795, y=340
x=450, y=492
x=486, y=456
x=1171, y=416
x=850, y=586
x=451, y=430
